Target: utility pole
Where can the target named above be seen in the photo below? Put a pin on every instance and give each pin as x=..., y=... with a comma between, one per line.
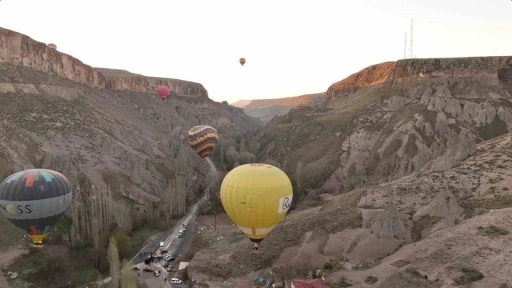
x=410, y=39
x=405, y=46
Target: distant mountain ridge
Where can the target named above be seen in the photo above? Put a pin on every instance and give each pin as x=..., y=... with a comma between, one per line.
x=266, y=109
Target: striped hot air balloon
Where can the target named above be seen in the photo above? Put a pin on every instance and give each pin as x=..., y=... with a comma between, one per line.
x=34, y=200
x=203, y=139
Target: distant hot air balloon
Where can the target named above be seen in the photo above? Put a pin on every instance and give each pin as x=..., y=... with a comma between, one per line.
x=34, y=200
x=163, y=91
x=256, y=197
x=203, y=139
x=242, y=61
x=51, y=45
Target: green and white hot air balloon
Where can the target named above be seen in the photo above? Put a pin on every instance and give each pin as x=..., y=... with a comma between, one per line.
x=34, y=200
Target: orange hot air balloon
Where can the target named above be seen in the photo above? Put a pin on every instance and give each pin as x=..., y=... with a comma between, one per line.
x=242, y=61
x=162, y=91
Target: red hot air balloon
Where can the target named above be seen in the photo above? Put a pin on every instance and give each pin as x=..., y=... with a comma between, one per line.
x=162, y=91
x=242, y=61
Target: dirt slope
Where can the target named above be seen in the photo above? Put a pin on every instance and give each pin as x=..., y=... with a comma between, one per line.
x=134, y=139
x=380, y=237
x=382, y=124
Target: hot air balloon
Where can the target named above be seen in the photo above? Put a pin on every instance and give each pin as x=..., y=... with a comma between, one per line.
x=203, y=139
x=242, y=61
x=256, y=197
x=162, y=91
x=34, y=200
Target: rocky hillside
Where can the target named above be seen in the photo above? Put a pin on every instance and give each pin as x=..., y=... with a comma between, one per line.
x=439, y=229
x=392, y=119
x=58, y=113
x=266, y=109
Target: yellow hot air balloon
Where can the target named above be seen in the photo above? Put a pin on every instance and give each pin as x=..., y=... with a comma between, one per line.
x=256, y=197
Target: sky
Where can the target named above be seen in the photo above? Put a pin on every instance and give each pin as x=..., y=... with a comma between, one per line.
x=292, y=47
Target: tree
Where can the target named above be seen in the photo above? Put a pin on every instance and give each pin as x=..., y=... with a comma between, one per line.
x=113, y=260
x=225, y=102
x=231, y=157
x=123, y=242
x=246, y=158
x=128, y=279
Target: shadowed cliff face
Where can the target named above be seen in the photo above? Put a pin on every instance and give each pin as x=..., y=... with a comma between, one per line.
x=392, y=119
x=128, y=140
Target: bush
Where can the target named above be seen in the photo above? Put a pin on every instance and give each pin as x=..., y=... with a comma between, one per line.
x=328, y=266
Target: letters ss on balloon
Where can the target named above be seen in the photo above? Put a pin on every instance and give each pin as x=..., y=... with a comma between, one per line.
x=21, y=209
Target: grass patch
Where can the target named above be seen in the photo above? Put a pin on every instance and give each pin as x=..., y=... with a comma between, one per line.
x=421, y=224
x=338, y=214
x=140, y=236
x=469, y=275
x=475, y=207
x=410, y=278
x=492, y=231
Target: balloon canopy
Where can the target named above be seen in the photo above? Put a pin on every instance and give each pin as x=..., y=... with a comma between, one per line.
x=203, y=139
x=256, y=197
x=162, y=91
x=242, y=61
x=34, y=200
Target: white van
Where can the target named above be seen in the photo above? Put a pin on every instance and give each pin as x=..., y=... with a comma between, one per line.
x=161, y=245
x=175, y=281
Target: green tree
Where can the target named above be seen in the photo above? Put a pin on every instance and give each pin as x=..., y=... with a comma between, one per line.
x=123, y=243
x=128, y=279
x=113, y=260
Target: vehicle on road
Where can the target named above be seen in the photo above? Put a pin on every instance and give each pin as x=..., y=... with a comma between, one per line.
x=176, y=281
x=148, y=269
x=170, y=259
x=161, y=245
x=185, y=225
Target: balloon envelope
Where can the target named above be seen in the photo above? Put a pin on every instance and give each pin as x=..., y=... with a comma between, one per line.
x=256, y=197
x=203, y=139
x=242, y=61
x=34, y=200
x=162, y=91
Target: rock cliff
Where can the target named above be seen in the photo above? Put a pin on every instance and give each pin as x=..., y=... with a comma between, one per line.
x=391, y=120
x=121, y=136
x=124, y=80
x=19, y=49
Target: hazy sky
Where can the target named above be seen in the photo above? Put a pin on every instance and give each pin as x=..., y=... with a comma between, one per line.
x=292, y=47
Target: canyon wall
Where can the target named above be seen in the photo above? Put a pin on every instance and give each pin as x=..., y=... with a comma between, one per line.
x=19, y=49
x=420, y=69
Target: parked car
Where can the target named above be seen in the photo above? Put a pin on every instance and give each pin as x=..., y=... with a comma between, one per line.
x=176, y=281
x=185, y=225
x=148, y=269
x=166, y=264
x=165, y=251
x=169, y=269
x=136, y=268
x=157, y=273
x=161, y=245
